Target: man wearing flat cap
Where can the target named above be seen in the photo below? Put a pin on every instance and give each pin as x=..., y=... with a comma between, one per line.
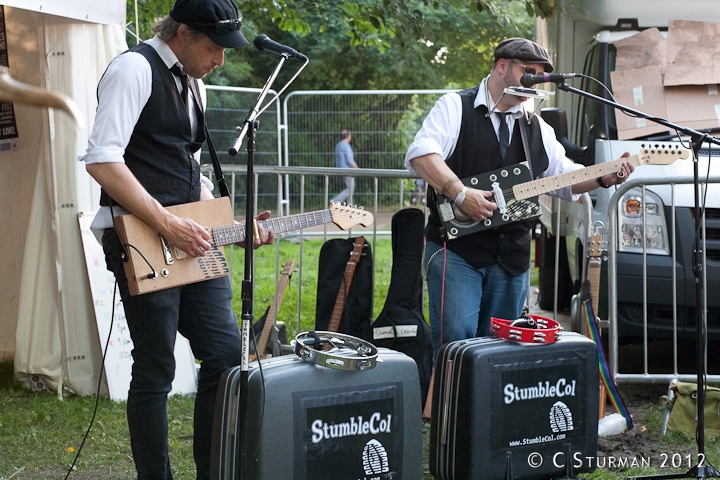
x=144, y=151
x=486, y=273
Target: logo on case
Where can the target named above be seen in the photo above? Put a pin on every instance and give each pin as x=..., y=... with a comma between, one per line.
x=375, y=458
x=561, y=419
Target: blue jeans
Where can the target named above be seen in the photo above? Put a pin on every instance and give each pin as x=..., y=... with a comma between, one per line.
x=203, y=314
x=463, y=298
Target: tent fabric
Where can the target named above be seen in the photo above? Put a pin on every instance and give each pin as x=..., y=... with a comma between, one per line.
x=109, y=12
x=47, y=308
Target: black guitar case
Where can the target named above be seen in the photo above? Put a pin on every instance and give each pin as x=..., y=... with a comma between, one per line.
x=358, y=313
x=401, y=325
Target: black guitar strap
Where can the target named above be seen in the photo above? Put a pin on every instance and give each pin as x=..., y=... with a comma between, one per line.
x=523, y=125
x=211, y=148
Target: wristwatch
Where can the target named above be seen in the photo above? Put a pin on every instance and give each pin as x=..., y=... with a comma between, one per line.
x=600, y=182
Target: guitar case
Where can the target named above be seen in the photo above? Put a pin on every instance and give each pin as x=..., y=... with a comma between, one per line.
x=357, y=316
x=401, y=325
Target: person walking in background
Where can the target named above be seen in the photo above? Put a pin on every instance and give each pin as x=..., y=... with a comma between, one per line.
x=344, y=158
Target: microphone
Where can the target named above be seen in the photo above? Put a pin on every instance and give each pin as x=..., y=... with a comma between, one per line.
x=529, y=80
x=264, y=43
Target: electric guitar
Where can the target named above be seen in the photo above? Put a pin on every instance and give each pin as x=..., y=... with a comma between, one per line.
x=152, y=264
x=268, y=328
x=515, y=192
x=339, y=308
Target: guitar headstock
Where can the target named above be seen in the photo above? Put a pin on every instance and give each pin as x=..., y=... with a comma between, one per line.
x=288, y=268
x=662, y=155
x=595, y=249
x=346, y=217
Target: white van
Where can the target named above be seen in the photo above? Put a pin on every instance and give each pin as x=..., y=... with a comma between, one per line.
x=580, y=36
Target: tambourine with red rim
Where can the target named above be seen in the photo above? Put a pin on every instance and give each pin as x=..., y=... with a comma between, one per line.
x=526, y=329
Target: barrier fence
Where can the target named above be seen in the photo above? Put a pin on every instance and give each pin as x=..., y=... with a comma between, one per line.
x=294, y=173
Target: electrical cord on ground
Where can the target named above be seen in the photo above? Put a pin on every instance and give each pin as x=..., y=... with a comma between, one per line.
x=97, y=392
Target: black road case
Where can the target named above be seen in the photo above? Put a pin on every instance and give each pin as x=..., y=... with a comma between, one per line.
x=307, y=422
x=503, y=410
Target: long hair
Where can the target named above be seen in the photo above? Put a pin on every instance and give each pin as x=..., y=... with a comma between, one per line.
x=167, y=28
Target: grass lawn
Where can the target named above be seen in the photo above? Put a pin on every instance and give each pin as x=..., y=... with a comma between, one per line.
x=40, y=434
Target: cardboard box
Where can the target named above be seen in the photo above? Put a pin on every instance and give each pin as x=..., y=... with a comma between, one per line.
x=693, y=53
x=694, y=106
x=643, y=49
x=681, y=88
x=640, y=89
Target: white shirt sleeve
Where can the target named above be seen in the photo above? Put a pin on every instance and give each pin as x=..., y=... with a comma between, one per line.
x=123, y=92
x=558, y=162
x=439, y=131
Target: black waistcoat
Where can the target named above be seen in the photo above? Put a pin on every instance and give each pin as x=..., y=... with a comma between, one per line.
x=478, y=151
x=160, y=151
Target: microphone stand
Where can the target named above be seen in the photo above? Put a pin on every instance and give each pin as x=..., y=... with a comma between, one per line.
x=248, y=127
x=704, y=469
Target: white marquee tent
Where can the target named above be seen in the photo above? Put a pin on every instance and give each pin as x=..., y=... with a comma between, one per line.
x=47, y=313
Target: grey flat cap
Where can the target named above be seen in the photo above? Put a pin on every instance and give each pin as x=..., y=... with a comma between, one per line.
x=523, y=49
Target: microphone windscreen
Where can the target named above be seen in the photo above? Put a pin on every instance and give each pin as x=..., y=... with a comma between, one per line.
x=259, y=40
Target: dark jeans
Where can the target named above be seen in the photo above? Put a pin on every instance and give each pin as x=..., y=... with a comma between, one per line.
x=202, y=313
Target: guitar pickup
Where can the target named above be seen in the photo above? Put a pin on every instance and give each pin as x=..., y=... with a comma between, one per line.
x=499, y=197
x=166, y=250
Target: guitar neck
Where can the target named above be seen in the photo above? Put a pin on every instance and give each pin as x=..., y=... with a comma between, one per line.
x=537, y=187
x=334, y=325
x=594, y=279
x=272, y=314
x=339, y=307
x=235, y=233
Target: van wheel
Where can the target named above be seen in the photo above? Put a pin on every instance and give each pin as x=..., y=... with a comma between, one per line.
x=546, y=298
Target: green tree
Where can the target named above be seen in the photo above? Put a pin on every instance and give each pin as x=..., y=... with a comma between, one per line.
x=369, y=44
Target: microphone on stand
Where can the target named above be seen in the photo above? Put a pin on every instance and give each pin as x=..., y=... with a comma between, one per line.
x=266, y=44
x=529, y=80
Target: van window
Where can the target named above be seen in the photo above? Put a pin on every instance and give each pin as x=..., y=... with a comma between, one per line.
x=595, y=120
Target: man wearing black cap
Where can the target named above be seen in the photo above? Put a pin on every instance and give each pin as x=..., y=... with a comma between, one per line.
x=485, y=274
x=144, y=151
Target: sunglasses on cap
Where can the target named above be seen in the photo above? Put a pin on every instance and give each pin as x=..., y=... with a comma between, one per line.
x=530, y=70
x=223, y=27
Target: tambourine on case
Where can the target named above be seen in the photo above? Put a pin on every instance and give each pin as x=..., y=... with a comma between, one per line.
x=327, y=416
x=504, y=409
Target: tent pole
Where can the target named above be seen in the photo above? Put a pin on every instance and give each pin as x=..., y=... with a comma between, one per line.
x=137, y=25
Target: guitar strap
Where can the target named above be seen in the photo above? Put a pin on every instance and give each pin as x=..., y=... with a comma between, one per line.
x=222, y=184
x=523, y=125
x=606, y=378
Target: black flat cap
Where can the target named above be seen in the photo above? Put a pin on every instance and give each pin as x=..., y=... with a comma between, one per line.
x=218, y=19
x=523, y=49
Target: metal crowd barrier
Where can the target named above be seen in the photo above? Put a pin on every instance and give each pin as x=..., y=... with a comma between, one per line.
x=645, y=376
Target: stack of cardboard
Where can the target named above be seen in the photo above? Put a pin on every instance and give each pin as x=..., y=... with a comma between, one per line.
x=675, y=78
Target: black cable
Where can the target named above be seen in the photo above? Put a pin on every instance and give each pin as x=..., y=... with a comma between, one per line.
x=255, y=450
x=149, y=275
x=99, y=385
x=107, y=344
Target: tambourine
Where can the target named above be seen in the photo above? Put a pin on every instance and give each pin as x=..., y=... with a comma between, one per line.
x=336, y=350
x=526, y=329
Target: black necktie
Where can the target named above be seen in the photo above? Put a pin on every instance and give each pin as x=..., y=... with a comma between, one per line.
x=504, y=133
x=175, y=69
